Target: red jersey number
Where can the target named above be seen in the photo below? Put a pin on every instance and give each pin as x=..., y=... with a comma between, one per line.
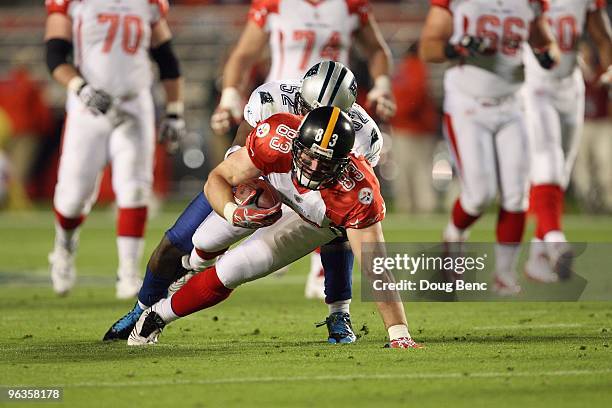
x=487, y=27
x=331, y=49
x=132, y=32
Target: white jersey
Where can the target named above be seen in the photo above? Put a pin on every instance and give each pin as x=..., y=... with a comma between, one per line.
x=304, y=32
x=504, y=26
x=111, y=41
x=281, y=96
x=567, y=19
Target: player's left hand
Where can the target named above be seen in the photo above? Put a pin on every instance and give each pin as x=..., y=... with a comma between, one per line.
x=172, y=128
x=381, y=98
x=606, y=78
x=404, y=343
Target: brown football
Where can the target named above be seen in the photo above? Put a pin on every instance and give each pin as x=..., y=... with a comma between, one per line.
x=266, y=196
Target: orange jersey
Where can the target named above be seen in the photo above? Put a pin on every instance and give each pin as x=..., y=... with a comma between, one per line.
x=352, y=202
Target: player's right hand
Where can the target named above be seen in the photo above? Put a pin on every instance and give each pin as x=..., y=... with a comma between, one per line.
x=251, y=216
x=228, y=113
x=468, y=46
x=96, y=100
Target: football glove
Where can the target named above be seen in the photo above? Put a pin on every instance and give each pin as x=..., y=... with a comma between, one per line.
x=250, y=216
x=228, y=112
x=172, y=128
x=606, y=78
x=381, y=98
x=468, y=46
x=546, y=57
x=403, y=343
x=96, y=100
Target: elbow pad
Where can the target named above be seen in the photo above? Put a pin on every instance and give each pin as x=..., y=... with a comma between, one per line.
x=58, y=52
x=166, y=60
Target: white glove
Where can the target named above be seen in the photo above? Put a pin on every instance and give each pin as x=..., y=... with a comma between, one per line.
x=381, y=97
x=96, y=100
x=228, y=112
x=172, y=128
x=606, y=78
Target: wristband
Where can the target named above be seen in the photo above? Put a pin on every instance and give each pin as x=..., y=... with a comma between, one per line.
x=230, y=97
x=228, y=212
x=75, y=84
x=383, y=82
x=398, y=331
x=175, y=108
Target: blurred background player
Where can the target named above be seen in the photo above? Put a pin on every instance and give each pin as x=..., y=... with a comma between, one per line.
x=414, y=135
x=300, y=33
x=292, y=96
x=99, y=51
x=554, y=107
x=483, y=117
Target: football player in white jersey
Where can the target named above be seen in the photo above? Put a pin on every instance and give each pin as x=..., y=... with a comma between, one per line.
x=297, y=97
x=483, y=119
x=301, y=33
x=326, y=190
x=99, y=50
x=554, y=107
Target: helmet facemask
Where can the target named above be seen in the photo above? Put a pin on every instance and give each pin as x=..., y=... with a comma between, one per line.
x=314, y=168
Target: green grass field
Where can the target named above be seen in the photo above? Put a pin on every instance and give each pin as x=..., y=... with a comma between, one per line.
x=261, y=348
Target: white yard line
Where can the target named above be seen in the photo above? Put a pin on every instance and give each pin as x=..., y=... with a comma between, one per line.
x=396, y=376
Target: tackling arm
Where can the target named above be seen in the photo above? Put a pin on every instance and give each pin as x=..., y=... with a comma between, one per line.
x=392, y=310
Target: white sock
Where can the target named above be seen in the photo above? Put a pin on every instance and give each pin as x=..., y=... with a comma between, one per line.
x=537, y=248
x=398, y=331
x=506, y=257
x=454, y=234
x=66, y=239
x=164, y=309
x=130, y=252
x=555, y=236
x=339, y=306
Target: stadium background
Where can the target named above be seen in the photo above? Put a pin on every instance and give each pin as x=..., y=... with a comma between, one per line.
x=204, y=33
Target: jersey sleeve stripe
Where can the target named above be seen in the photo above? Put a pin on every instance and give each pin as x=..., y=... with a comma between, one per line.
x=330, y=127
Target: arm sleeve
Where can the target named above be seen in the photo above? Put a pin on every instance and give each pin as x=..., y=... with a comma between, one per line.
x=57, y=6
x=361, y=8
x=165, y=58
x=259, y=11
x=159, y=9
x=441, y=3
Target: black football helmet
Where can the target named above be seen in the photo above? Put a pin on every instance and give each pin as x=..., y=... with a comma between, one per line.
x=321, y=149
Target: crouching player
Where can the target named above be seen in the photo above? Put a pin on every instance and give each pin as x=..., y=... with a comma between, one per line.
x=326, y=83
x=326, y=190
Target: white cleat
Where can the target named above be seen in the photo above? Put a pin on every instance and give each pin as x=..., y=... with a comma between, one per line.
x=63, y=271
x=147, y=329
x=505, y=286
x=561, y=258
x=128, y=283
x=538, y=269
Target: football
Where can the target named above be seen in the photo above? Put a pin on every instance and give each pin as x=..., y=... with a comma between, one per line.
x=265, y=195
